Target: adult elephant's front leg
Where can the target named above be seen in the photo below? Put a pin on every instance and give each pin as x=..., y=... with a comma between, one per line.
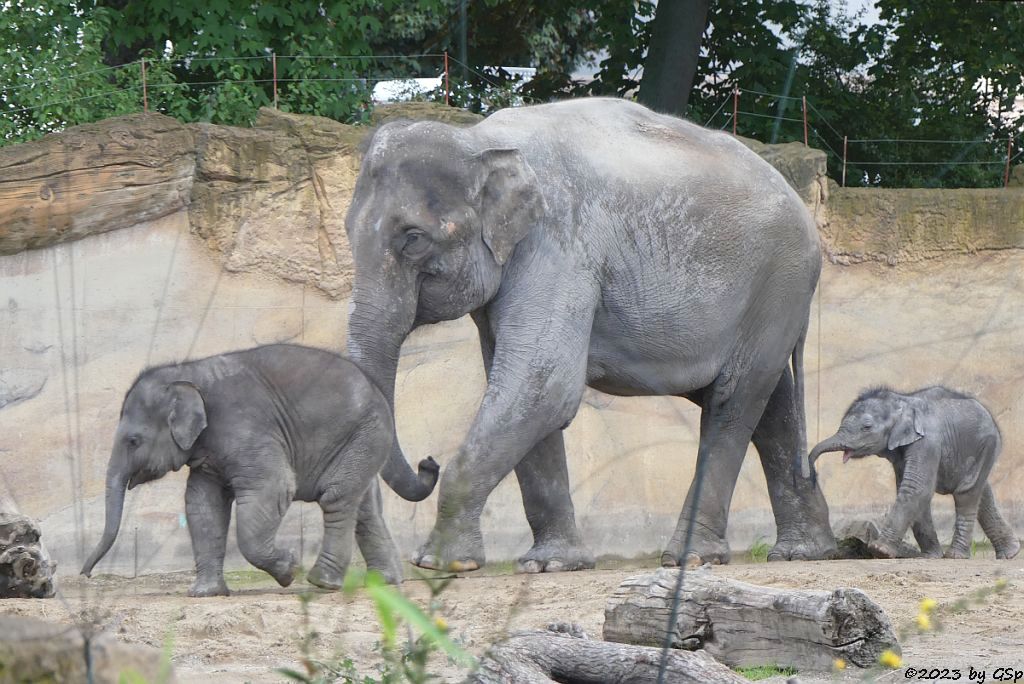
x=544, y=483
x=534, y=387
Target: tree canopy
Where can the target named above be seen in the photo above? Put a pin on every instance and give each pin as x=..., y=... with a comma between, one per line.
x=929, y=70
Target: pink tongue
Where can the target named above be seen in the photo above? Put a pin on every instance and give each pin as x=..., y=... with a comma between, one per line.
x=846, y=455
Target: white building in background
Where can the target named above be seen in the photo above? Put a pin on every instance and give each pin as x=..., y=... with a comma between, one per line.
x=405, y=89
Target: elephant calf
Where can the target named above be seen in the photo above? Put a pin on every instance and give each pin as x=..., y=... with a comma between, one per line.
x=937, y=440
x=263, y=427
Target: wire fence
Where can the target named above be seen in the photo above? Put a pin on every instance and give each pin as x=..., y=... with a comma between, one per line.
x=860, y=161
x=345, y=86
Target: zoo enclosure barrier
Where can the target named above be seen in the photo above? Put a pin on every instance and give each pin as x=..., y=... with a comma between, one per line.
x=145, y=82
x=842, y=160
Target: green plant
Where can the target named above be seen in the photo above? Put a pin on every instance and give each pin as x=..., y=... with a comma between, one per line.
x=758, y=672
x=408, y=663
x=759, y=551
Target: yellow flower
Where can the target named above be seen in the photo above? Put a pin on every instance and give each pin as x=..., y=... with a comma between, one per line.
x=928, y=605
x=839, y=664
x=1001, y=584
x=924, y=622
x=890, y=659
x=441, y=623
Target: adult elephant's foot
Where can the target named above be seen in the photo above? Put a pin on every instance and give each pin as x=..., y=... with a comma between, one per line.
x=704, y=548
x=323, y=577
x=820, y=548
x=953, y=552
x=1008, y=550
x=204, y=588
x=452, y=547
x=556, y=556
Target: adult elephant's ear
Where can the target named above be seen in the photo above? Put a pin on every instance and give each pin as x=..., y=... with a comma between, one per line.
x=508, y=200
x=188, y=414
x=908, y=428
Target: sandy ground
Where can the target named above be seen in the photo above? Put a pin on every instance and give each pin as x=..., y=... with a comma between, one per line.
x=244, y=637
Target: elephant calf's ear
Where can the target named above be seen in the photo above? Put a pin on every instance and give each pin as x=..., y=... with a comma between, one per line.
x=508, y=199
x=187, y=418
x=907, y=429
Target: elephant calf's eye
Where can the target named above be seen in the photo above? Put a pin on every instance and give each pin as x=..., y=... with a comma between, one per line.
x=133, y=441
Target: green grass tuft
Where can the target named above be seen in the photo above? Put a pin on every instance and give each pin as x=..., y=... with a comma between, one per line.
x=758, y=552
x=758, y=672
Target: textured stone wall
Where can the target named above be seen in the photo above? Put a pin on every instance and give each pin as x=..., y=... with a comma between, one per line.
x=257, y=254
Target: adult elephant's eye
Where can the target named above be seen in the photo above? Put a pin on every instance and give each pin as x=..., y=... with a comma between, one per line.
x=415, y=242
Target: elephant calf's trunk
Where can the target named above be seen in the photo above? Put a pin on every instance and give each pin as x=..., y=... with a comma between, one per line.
x=807, y=463
x=115, y=503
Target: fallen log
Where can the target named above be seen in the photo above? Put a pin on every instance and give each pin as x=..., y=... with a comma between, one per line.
x=25, y=569
x=741, y=624
x=563, y=653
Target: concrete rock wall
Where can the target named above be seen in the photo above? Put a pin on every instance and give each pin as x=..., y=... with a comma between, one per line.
x=258, y=255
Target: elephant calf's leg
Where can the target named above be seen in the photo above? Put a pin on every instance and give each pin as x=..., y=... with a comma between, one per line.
x=341, y=510
x=258, y=515
x=544, y=481
x=924, y=533
x=208, y=510
x=374, y=539
x=996, y=528
x=963, y=531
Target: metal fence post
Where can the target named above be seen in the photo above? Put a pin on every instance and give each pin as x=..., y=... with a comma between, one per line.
x=805, y=121
x=735, y=107
x=145, y=95
x=273, y=61
x=447, y=86
x=844, y=161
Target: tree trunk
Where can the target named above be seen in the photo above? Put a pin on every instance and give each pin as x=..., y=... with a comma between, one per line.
x=564, y=654
x=671, y=62
x=741, y=624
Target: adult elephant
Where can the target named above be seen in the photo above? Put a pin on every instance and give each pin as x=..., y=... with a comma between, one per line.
x=593, y=242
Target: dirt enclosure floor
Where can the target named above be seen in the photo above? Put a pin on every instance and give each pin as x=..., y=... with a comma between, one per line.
x=244, y=637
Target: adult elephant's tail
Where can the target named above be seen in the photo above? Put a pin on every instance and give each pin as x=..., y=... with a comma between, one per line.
x=797, y=361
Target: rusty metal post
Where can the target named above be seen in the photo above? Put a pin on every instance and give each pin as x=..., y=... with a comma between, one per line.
x=273, y=61
x=805, y=121
x=844, y=161
x=145, y=95
x=447, y=86
x=735, y=107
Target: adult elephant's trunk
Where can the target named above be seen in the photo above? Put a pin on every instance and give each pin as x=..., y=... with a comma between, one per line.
x=375, y=337
x=117, y=480
x=830, y=444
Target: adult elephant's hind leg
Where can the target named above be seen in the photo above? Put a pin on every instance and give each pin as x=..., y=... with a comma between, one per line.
x=544, y=481
x=727, y=421
x=801, y=513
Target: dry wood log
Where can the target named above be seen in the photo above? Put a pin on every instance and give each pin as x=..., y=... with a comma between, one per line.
x=563, y=653
x=742, y=624
x=25, y=569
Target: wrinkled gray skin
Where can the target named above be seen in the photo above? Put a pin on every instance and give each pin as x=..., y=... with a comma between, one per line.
x=939, y=441
x=262, y=427
x=597, y=243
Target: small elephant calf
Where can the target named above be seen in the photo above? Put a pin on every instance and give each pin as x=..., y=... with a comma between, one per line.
x=264, y=427
x=937, y=440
